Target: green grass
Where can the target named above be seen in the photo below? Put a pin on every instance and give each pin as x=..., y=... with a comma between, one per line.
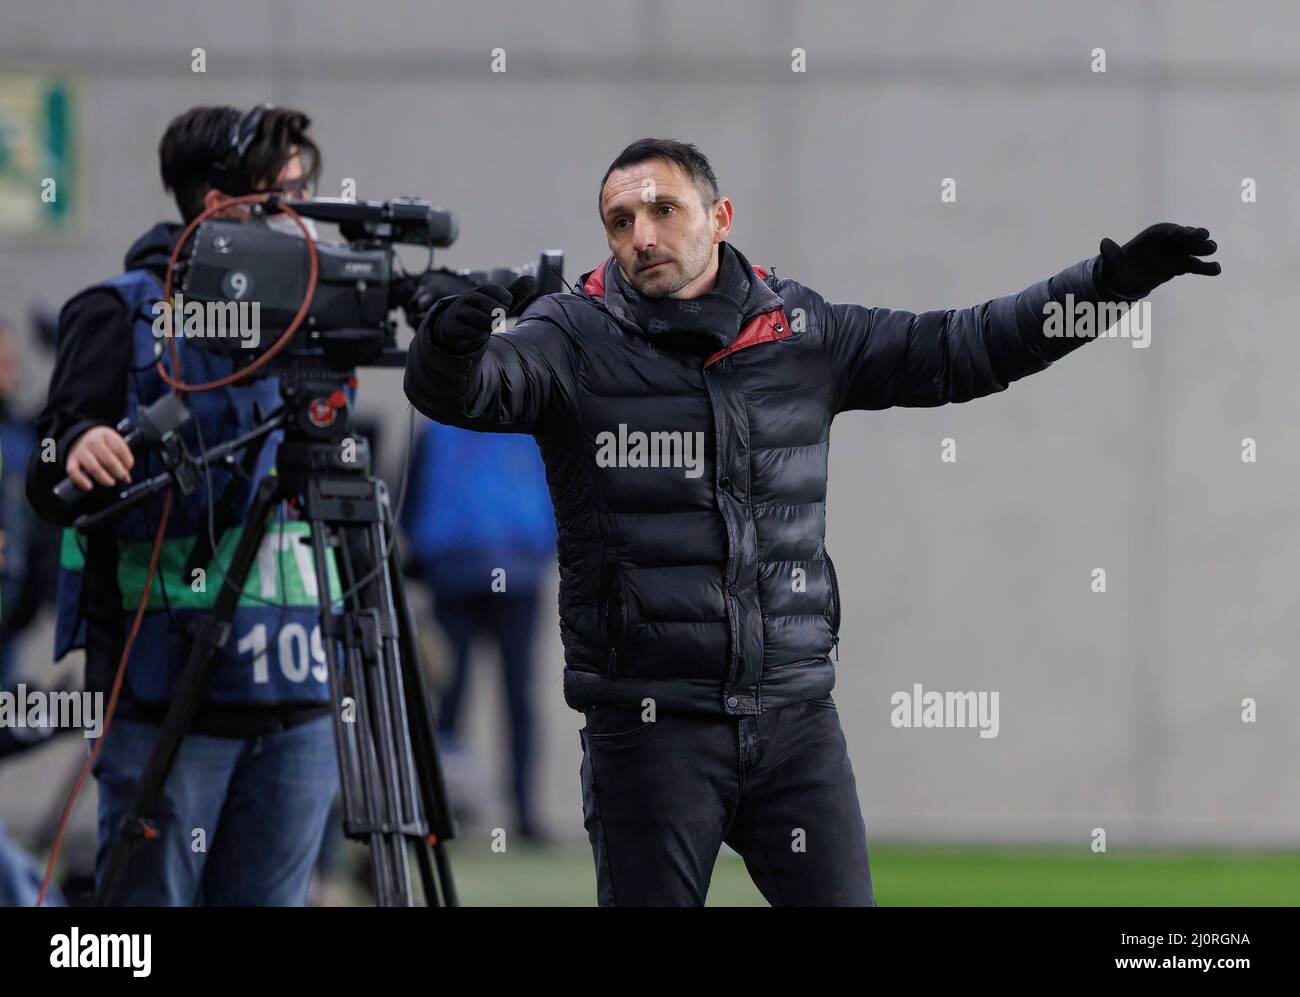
x=563, y=876
x=907, y=875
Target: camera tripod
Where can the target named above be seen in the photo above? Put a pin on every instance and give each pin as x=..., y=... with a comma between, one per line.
x=391, y=781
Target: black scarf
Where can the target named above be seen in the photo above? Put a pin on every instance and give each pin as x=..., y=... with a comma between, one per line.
x=699, y=326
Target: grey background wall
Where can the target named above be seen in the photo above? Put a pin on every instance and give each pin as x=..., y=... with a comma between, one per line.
x=1118, y=710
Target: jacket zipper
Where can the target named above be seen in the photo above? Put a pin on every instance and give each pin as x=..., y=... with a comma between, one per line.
x=616, y=638
x=622, y=629
x=835, y=603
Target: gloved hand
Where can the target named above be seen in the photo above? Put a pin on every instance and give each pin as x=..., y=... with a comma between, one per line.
x=420, y=291
x=465, y=325
x=1153, y=256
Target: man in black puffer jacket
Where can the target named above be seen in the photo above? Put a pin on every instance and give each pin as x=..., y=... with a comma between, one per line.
x=682, y=400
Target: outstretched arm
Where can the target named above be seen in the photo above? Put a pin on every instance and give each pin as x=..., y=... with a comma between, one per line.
x=884, y=357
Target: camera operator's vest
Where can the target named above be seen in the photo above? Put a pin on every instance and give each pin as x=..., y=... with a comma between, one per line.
x=274, y=652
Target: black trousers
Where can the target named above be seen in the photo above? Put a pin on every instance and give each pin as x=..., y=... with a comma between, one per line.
x=660, y=798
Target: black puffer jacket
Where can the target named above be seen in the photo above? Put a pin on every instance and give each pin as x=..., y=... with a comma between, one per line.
x=708, y=587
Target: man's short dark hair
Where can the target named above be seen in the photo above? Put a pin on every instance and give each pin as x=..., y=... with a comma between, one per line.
x=693, y=163
x=202, y=137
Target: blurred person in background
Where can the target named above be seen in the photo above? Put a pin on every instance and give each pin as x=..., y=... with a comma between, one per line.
x=20, y=876
x=29, y=576
x=481, y=533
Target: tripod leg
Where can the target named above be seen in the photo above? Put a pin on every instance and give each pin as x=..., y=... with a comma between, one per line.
x=374, y=609
x=392, y=784
x=351, y=646
x=209, y=636
x=433, y=787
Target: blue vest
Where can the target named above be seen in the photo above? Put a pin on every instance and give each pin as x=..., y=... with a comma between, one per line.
x=275, y=652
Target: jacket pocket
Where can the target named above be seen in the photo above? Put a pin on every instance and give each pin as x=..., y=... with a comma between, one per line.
x=835, y=600
x=613, y=612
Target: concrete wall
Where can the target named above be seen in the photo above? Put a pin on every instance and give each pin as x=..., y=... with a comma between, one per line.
x=1118, y=710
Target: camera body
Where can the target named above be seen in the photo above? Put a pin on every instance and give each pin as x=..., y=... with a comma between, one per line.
x=359, y=282
x=252, y=262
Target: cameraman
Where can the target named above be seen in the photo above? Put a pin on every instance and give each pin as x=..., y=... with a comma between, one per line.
x=247, y=800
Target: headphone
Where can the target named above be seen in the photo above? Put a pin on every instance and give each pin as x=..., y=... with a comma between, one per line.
x=226, y=175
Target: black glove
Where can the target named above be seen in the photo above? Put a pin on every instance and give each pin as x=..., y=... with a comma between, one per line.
x=465, y=325
x=420, y=291
x=1153, y=256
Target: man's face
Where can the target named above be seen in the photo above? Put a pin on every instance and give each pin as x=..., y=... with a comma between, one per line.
x=660, y=230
